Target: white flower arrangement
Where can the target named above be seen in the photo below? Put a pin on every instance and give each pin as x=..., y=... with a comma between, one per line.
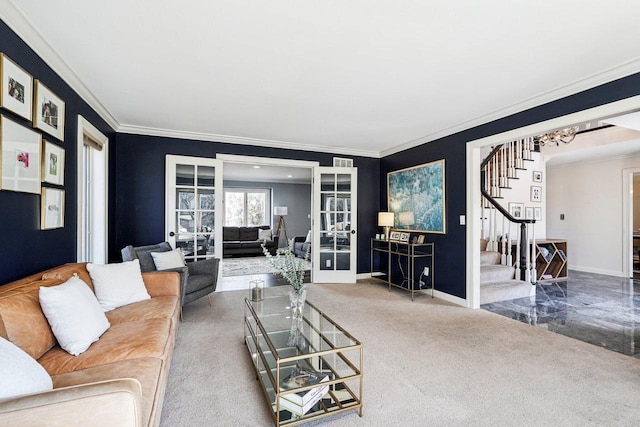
x=288, y=266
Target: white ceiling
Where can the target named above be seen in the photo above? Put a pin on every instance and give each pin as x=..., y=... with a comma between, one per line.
x=359, y=77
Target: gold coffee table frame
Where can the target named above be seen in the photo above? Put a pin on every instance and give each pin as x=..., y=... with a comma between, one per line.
x=277, y=343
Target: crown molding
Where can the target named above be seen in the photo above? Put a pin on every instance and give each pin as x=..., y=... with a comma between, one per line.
x=240, y=140
x=590, y=82
x=22, y=26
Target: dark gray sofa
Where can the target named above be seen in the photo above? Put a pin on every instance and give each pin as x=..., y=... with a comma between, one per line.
x=244, y=241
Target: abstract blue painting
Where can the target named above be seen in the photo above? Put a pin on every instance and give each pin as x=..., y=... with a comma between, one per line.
x=416, y=196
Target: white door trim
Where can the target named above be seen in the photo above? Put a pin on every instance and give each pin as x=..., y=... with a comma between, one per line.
x=627, y=220
x=85, y=127
x=473, y=176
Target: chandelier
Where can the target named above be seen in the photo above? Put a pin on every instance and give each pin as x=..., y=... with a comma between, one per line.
x=557, y=136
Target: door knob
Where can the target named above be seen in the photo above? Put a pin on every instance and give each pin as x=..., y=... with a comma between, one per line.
x=172, y=234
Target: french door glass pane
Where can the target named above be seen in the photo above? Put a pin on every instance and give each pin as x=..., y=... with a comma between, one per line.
x=206, y=176
x=185, y=199
x=185, y=175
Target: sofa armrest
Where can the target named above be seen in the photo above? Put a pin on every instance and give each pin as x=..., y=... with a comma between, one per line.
x=206, y=266
x=163, y=283
x=106, y=403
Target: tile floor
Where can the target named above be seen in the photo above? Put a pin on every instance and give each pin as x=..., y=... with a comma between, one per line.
x=598, y=309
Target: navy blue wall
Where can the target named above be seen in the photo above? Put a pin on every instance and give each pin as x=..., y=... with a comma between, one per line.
x=140, y=188
x=450, y=248
x=26, y=249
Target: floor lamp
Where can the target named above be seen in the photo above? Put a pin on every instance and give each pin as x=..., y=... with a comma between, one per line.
x=282, y=230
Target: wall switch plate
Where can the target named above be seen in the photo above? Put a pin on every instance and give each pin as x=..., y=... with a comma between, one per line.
x=463, y=220
x=426, y=271
x=328, y=263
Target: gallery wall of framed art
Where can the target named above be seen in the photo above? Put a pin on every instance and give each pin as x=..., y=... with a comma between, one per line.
x=29, y=163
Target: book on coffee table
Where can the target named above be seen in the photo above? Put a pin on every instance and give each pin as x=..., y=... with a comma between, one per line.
x=301, y=402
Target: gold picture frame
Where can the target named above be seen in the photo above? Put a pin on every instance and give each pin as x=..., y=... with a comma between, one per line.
x=416, y=196
x=52, y=208
x=17, y=88
x=20, y=157
x=48, y=111
x=52, y=163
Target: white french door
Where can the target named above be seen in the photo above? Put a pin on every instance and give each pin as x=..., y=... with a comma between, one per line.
x=335, y=238
x=193, y=202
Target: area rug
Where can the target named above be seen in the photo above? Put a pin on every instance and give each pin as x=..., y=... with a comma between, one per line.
x=245, y=266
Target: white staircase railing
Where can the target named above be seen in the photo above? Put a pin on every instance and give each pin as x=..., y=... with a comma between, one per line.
x=497, y=169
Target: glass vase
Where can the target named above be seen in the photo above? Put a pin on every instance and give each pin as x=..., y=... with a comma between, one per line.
x=297, y=300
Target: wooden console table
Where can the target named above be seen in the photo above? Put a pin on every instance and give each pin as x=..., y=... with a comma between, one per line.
x=407, y=254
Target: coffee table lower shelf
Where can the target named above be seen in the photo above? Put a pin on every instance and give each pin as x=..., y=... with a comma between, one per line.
x=319, y=344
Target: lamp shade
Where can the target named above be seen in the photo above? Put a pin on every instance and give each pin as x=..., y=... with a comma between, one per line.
x=280, y=210
x=385, y=219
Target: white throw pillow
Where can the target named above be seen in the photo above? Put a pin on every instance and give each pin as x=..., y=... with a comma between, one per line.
x=20, y=373
x=265, y=234
x=168, y=260
x=308, y=239
x=118, y=284
x=74, y=314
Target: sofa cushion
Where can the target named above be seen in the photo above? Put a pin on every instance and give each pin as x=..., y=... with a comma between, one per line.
x=233, y=245
x=148, y=371
x=128, y=340
x=20, y=373
x=162, y=307
x=230, y=233
x=145, y=257
x=248, y=233
x=168, y=260
x=22, y=321
x=74, y=314
x=252, y=244
x=118, y=284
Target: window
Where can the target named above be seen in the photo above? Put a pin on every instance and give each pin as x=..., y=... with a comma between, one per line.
x=247, y=207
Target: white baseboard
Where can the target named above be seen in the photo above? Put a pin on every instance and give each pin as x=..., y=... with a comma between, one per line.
x=584, y=269
x=450, y=298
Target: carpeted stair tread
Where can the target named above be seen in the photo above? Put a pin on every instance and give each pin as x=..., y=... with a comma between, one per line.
x=503, y=290
x=494, y=273
x=489, y=257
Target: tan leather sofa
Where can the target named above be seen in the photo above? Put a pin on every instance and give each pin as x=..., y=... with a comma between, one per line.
x=119, y=381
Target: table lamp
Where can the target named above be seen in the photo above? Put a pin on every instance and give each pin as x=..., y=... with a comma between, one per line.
x=385, y=220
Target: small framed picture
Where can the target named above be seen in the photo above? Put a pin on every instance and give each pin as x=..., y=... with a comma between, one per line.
x=404, y=237
x=516, y=210
x=53, y=164
x=537, y=176
x=536, y=193
x=528, y=213
x=394, y=235
x=20, y=157
x=17, y=88
x=52, y=209
x=48, y=111
x=537, y=214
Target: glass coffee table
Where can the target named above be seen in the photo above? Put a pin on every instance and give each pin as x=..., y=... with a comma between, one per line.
x=308, y=366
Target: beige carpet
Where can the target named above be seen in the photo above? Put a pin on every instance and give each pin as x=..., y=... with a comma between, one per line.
x=426, y=363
